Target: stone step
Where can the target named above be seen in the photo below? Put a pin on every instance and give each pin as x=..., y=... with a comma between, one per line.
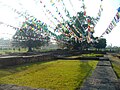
x=108, y=86
x=15, y=87
x=104, y=58
x=96, y=81
x=103, y=77
x=104, y=72
x=104, y=63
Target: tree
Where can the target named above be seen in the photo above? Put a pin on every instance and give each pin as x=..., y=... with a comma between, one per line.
x=32, y=33
x=78, y=31
x=100, y=44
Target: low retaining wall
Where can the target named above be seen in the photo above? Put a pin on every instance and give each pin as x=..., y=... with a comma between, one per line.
x=17, y=60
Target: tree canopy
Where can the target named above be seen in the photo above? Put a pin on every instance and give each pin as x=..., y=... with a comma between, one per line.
x=31, y=34
x=100, y=44
x=78, y=31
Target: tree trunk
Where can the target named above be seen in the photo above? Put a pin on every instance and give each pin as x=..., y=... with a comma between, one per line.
x=30, y=49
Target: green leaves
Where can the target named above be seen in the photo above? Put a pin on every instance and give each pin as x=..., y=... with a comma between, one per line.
x=33, y=33
x=101, y=43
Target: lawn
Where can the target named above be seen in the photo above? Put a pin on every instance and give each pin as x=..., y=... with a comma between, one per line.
x=16, y=50
x=116, y=65
x=21, y=50
x=87, y=55
x=56, y=75
x=116, y=68
x=92, y=55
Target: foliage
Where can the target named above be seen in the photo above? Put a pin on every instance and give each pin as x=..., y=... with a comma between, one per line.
x=32, y=34
x=77, y=32
x=58, y=75
x=72, y=44
x=101, y=43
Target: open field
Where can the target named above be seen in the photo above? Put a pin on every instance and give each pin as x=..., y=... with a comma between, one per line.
x=57, y=75
x=21, y=50
x=16, y=50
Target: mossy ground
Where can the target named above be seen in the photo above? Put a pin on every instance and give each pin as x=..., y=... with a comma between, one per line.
x=56, y=75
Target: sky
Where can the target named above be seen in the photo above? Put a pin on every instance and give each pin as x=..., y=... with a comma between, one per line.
x=33, y=7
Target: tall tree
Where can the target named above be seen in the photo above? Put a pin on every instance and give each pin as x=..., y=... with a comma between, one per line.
x=100, y=44
x=78, y=31
x=32, y=33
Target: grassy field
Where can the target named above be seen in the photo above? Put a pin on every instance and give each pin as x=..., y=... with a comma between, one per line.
x=116, y=65
x=16, y=50
x=22, y=50
x=56, y=75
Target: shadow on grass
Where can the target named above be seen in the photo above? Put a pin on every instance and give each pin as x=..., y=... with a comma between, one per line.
x=8, y=70
x=87, y=72
x=79, y=58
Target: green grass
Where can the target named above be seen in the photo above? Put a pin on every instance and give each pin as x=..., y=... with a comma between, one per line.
x=56, y=75
x=13, y=69
x=116, y=68
x=22, y=50
x=87, y=55
x=7, y=51
x=116, y=65
x=91, y=55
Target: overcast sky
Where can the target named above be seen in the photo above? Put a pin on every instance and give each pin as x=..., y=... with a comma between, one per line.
x=7, y=15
